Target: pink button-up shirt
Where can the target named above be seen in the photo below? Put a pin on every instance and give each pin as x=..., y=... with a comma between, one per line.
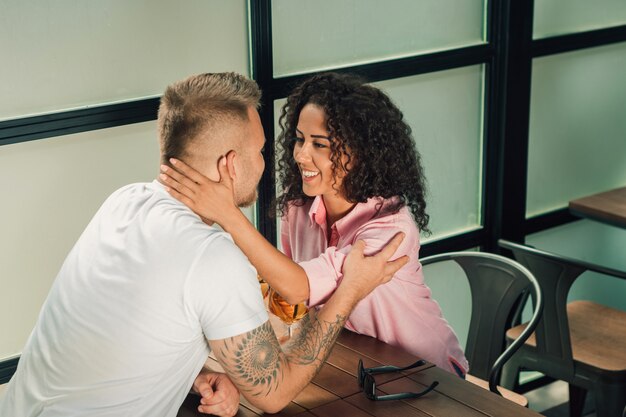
x=400, y=312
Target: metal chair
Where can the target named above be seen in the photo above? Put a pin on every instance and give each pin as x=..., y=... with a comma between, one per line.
x=497, y=285
x=582, y=343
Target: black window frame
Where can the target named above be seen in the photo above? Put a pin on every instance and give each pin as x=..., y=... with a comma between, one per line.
x=507, y=56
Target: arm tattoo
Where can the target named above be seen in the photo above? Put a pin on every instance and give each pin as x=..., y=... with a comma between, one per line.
x=256, y=361
x=314, y=340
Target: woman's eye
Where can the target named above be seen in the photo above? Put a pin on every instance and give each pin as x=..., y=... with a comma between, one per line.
x=297, y=139
x=320, y=145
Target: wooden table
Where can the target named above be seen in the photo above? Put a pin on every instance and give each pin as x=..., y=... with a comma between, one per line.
x=334, y=391
x=607, y=207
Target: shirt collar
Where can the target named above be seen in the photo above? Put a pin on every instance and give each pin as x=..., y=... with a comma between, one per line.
x=317, y=211
x=360, y=214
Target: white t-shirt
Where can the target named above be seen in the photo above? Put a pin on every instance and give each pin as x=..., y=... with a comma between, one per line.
x=123, y=330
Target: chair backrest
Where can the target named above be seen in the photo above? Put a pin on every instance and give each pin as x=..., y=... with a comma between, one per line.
x=556, y=275
x=497, y=284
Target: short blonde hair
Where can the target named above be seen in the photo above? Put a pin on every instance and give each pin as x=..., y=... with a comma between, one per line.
x=200, y=103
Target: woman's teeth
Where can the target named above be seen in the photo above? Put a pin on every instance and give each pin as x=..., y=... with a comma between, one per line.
x=309, y=174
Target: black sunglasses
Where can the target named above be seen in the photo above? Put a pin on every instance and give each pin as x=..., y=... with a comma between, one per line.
x=367, y=384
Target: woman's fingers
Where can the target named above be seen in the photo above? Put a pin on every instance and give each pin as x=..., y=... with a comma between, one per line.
x=177, y=180
x=179, y=196
x=167, y=178
x=188, y=171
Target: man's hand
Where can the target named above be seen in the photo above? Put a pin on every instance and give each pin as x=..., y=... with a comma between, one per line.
x=211, y=200
x=269, y=377
x=219, y=395
x=361, y=274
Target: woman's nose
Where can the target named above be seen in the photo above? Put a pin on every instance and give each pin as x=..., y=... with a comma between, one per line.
x=302, y=154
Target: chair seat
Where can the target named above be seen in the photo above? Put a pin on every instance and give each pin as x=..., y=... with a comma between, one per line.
x=508, y=394
x=597, y=332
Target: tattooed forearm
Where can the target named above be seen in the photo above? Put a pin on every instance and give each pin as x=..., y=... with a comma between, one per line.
x=314, y=340
x=256, y=363
x=255, y=359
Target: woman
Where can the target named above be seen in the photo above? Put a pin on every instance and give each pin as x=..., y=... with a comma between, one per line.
x=350, y=171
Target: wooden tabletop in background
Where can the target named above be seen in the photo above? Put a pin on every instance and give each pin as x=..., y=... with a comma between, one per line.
x=607, y=207
x=334, y=391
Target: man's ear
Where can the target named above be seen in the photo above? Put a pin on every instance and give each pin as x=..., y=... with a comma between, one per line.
x=230, y=163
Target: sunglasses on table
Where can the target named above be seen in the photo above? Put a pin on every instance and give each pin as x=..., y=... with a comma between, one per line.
x=367, y=384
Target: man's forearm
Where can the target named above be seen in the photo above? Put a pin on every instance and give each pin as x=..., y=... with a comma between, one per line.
x=270, y=377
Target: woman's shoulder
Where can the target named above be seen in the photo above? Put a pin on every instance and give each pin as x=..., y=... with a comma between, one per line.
x=390, y=210
x=387, y=221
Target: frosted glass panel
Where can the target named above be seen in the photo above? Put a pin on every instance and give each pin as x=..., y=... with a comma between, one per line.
x=592, y=242
x=558, y=17
x=577, y=143
x=314, y=35
x=444, y=110
x=60, y=54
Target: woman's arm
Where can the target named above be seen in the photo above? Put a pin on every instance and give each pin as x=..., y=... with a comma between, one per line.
x=268, y=376
x=215, y=202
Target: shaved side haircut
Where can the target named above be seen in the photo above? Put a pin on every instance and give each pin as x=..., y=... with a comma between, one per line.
x=199, y=104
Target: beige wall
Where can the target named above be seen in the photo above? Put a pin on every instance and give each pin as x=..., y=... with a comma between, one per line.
x=105, y=52
x=51, y=190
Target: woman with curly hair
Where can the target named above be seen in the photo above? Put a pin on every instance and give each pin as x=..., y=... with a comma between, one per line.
x=350, y=171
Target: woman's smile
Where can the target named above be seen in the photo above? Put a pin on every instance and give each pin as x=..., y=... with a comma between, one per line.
x=308, y=175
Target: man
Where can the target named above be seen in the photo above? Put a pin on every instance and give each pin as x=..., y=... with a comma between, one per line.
x=148, y=290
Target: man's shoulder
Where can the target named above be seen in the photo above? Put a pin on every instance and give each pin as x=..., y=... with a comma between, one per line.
x=219, y=257
x=149, y=210
x=128, y=195
x=220, y=245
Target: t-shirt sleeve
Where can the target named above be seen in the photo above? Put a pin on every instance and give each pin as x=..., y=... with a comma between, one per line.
x=223, y=291
x=325, y=271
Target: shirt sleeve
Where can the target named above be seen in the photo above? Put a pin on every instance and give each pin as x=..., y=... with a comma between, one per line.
x=325, y=271
x=223, y=291
x=285, y=243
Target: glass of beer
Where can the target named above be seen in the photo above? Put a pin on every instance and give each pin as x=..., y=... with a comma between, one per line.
x=287, y=313
x=265, y=287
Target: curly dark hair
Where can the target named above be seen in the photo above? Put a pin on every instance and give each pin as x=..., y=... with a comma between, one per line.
x=383, y=159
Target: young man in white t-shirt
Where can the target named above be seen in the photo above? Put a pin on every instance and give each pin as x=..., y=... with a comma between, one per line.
x=149, y=290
